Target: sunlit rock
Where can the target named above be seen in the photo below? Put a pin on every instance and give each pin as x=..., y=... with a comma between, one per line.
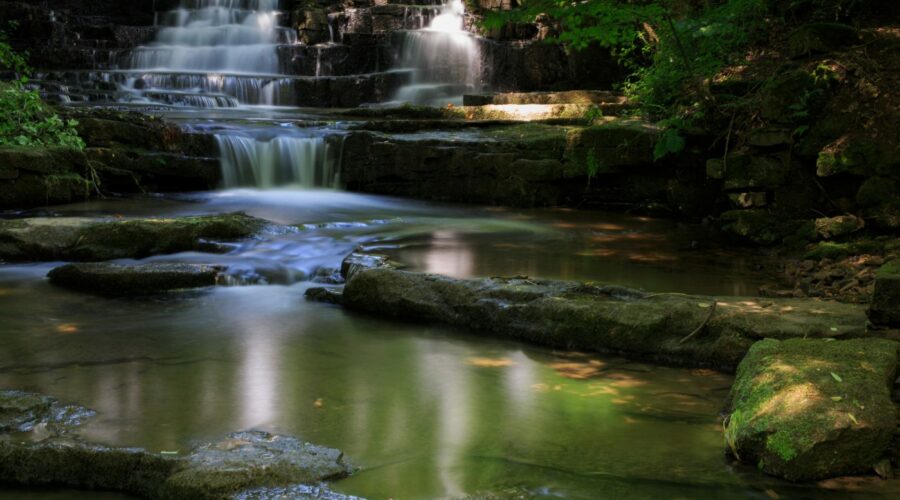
x=806, y=409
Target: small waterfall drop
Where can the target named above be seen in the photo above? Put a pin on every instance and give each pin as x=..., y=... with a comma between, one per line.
x=446, y=59
x=213, y=53
x=277, y=161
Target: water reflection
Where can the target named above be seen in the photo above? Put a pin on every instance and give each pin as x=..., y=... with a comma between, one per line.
x=426, y=412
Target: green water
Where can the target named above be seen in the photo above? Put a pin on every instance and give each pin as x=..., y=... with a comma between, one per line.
x=423, y=411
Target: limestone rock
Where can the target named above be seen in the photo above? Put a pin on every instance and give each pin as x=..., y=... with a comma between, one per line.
x=117, y=280
x=253, y=459
x=805, y=409
x=85, y=239
x=600, y=317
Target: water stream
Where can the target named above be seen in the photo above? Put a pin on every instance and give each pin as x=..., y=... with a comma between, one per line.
x=445, y=59
x=426, y=412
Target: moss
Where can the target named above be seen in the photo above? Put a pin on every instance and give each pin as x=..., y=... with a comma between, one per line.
x=890, y=269
x=835, y=251
x=811, y=409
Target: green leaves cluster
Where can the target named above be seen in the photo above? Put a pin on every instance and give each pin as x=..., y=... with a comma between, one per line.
x=25, y=119
x=673, y=48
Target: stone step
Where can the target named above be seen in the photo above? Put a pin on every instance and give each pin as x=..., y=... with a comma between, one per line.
x=567, y=97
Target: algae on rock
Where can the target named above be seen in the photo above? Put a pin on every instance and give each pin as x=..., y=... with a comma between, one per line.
x=807, y=409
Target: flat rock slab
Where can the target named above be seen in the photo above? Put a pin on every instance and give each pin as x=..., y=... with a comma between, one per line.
x=91, y=240
x=117, y=280
x=673, y=328
x=808, y=409
x=253, y=459
x=251, y=464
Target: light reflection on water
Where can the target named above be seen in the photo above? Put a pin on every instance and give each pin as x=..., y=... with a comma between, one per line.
x=425, y=411
x=324, y=226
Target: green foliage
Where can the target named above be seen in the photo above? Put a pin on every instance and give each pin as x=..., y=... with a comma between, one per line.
x=25, y=119
x=672, y=48
x=592, y=164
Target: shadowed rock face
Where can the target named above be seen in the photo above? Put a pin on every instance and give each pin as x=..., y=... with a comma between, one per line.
x=807, y=409
x=251, y=464
x=674, y=328
x=83, y=239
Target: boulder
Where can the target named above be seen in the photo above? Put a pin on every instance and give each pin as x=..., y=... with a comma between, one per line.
x=673, y=328
x=809, y=409
x=117, y=280
x=253, y=459
x=817, y=38
x=85, y=239
x=835, y=227
x=46, y=452
x=885, y=308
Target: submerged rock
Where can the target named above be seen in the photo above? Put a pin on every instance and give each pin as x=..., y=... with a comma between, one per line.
x=885, y=309
x=116, y=279
x=806, y=409
x=84, y=239
x=675, y=328
x=251, y=464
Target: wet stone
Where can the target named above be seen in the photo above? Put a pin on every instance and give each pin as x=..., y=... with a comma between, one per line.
x=679, y=329
x=115, y=280
x=247, y=465
x=809, y=409
x=24, y=411
x=254, y=459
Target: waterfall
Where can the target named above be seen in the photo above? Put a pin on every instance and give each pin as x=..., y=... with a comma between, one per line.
x=282, y=160
x=446, y=59
x=214, y=53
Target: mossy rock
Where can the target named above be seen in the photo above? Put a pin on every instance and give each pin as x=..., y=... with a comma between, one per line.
x=599, y=317
x=809, y=409
x=46, y=452
x=119, y=280
x=878, y=198
x=84, y=239
x=765, y=227
x=885, y=309
x=253, y=459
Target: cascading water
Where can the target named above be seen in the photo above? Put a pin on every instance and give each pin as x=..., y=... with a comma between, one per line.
x=225, y=53
x=278, y=160
x=446, y=59
x=213, y=53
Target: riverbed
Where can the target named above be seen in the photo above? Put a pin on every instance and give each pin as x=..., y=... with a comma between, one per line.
x=423, y=411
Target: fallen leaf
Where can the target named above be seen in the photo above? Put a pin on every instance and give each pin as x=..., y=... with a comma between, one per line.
x=836, y=398
x=319, y=403
x=836, y=377
x=850, y=415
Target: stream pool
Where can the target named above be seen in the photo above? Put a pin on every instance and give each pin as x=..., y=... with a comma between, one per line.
x=424, y=411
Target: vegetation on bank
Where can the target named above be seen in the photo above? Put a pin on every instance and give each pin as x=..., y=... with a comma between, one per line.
x=676, y=50
x=25, y=119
